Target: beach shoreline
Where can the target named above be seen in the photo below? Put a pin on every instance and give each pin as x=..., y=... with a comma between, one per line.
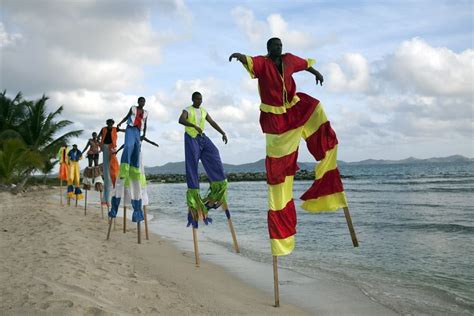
x=54, y=260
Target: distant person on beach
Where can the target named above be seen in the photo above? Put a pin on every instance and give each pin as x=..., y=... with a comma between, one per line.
x=130, y=173
x=197, y=146
x=108, y=144
x=63, y=162
x=74, y=180
x=93, y=153
x=285, y=117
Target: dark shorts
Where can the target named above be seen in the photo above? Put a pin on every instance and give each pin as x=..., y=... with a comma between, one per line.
x=93, y=156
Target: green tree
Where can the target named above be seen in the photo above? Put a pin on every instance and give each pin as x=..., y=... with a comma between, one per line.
x=15, y=159
x=39, y=130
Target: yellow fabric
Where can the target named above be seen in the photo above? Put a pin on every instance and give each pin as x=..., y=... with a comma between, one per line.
x=192, y=119
x=249, y=66
x=282, y=247
x=315, y=121
x=326, y=203
x=60, y=155
x=279, y=109
x=311, y=62
x=328, y=163
x=280, y=194
x=279, y=145
x=74, y=174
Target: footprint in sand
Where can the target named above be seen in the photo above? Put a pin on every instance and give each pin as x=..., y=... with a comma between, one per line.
x=95, y=311
x=57, y=304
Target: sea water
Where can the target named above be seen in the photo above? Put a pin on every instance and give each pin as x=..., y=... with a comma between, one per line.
x=414, y=223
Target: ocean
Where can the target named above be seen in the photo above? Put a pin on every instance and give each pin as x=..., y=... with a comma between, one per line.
x=414, y=222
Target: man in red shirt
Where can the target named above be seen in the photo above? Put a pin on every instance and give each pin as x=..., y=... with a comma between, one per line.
x=286, y=116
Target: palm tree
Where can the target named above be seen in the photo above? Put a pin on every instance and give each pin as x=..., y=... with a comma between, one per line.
x=37, y=128
x=16, y=158
x=12, y=112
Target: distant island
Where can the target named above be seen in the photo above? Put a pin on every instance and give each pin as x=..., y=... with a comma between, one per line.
x=174, y=172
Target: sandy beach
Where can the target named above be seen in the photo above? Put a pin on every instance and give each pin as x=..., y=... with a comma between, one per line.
x=56, y=261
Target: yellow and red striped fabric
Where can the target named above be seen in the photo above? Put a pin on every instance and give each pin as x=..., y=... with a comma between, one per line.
x=285, y=118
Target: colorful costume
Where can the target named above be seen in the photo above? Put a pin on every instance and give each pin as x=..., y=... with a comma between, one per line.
x=199, y=146
x=74, y=179
x=63, y=163
x=130, y=174
x=285, y=118
x=108, y=143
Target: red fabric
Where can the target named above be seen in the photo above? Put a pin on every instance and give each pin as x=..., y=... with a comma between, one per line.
x=329, y=184
x=138, y=118
x=278, y=168
x=294, y=117
x=63, y=171
x=270, y=81
x=282, y=224
x=321, y=141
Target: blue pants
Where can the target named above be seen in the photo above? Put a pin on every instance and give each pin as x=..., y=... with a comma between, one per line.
x=202, y=148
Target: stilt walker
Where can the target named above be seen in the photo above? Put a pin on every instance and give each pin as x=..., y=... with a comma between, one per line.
x=74, y=189
x=130, y=173
x=197, y=146
x=285, y=117
x=108, y=143
x=63, y=169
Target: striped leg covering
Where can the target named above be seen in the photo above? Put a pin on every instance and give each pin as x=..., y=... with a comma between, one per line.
x=326, y=192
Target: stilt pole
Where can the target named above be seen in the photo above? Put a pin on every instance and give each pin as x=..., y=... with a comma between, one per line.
x=275, y=281
x=146, y=223
x=351, y=228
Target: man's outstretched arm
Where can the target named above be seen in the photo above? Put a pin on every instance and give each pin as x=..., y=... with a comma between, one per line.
x=216, y=127
x=125, y=118
x=240, y=57
x=317, y=75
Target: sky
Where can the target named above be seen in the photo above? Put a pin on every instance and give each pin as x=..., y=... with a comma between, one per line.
x=398, y=75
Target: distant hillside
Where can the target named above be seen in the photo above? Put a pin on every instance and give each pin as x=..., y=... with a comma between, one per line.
x=259, y=166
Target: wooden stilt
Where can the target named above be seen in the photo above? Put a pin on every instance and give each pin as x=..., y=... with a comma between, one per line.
x=76, y=200
x=146, y=223
x=138, y=233
x=101, y=205
x=85, y=205
x=275, y=281
x=196, y=249
x=110, y=226
x=68, y=201
x=231, y=227
x=61, y=191
x=351, y=228
x=124, y=217
x=114, y=224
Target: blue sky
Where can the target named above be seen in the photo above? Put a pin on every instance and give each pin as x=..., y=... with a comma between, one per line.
x=398, y=74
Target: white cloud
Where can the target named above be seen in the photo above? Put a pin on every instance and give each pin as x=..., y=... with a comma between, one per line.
x=81, y=45
x=290, y=38
x=92, y=108
x=7, y=39
x=258, y=32
x=432, y=70
x=351, y=75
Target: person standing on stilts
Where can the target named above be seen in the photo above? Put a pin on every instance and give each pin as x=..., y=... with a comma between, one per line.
x=108, y=143
x=74, y=180
x=63, y=166
x=286, y=116
x=130, y=173
x=197, y=146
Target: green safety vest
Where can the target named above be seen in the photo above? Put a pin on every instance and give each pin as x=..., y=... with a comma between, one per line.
x=192, y=119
